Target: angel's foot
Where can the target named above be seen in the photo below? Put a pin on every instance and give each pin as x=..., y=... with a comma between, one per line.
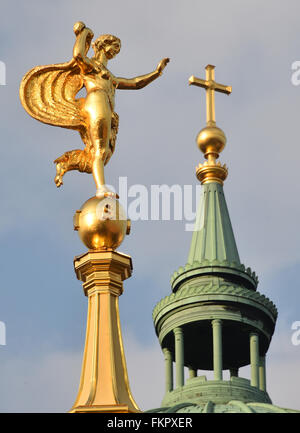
x=103, y=192
x=60, y=171
x=58, y=181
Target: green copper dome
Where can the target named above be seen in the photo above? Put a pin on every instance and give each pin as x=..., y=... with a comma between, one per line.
x=214, y=319
x=234, y=406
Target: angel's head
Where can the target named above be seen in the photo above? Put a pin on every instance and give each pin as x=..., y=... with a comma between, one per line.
x=110, y=44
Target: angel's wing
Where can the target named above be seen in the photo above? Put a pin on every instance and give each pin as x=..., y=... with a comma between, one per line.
x=48, y=94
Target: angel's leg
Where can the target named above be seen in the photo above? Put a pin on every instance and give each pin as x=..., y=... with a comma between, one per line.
x=99, y=144
x=99, y=112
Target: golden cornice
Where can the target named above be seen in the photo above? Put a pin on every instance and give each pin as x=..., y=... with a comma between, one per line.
x=215, y=172
x=99, y=261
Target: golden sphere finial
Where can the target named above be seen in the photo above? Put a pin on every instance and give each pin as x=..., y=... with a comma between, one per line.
x=211, y=140
x=101, y=223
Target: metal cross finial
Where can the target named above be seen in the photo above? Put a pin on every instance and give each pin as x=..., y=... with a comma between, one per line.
x=210, y=86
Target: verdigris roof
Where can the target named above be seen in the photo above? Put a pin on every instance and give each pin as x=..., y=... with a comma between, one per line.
x=213, y=237
x=213, y=248
x=234, y=406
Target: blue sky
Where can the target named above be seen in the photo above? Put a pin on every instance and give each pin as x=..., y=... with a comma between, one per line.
x=253, y=46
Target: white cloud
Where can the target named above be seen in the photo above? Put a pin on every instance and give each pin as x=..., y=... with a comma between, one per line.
x=146, y=372
x=49, y=383
x=40, y=383
x=283, y=378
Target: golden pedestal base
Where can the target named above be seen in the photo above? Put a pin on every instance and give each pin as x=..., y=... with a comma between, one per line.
x=104, y=385
x=102, y=409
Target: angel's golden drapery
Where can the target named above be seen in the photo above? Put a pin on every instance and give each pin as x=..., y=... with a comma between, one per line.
x=48, y=93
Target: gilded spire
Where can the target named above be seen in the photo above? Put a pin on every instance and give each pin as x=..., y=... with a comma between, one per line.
x=211, y=140
x=49, y=94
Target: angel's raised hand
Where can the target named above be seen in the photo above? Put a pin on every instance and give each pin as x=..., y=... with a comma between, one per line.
x=79, y=27
x=162, y=64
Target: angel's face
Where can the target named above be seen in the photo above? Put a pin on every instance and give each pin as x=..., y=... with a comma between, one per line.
x=112, y=49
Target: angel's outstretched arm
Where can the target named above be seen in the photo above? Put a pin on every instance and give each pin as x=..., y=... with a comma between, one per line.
x=84, y=37
x=142, y=80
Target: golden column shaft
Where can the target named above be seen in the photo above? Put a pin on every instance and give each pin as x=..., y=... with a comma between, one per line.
x=104, y=385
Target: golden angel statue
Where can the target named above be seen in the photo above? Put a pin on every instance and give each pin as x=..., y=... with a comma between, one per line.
x=48, y=93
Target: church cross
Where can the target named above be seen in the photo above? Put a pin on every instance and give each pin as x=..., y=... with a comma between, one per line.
x=210, y=86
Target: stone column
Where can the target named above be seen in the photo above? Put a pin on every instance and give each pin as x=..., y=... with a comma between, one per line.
x=179, y=356
x=217, y=348
x=168, y=369
x=262, y=373
x=254, y=359
x=234, y=372
x=192, y=372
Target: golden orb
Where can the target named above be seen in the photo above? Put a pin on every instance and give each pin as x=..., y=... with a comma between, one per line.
x=101, y=223
x=211, y=140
